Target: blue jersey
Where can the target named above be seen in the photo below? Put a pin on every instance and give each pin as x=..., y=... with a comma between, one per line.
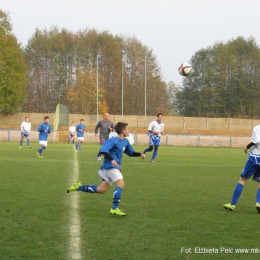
x=80, y=130
x=116, y=148
x=44, y=129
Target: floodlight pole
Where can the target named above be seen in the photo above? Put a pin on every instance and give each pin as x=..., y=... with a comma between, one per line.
x=122, y=89
x=97, y=90
x=145, y=87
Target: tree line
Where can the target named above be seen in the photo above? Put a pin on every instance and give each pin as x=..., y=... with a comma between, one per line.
x=62, y=66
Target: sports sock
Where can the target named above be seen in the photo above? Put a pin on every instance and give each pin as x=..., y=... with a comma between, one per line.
x=28, y=142
x=154, y=154
x=68, y=141
x=88, y=188
x=146, y=150
x=237, y=192
x=258, y=195
x=116, y=197
x=21, y=142
x=40, y=150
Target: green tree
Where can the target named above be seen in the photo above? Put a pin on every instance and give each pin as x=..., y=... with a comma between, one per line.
x=12, y=69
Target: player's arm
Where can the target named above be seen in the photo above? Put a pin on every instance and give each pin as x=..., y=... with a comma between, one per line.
x=40, y=129
x=248, y=146
x=112, y=127
x=49, y=130
x=130, y=152
x=105, y=148
x=97, y=126
x=150, y=129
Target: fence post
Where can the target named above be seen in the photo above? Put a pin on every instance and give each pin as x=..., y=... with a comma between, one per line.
x=231, y=142
x=167, y=140
x=9, y=135
x=198, y=140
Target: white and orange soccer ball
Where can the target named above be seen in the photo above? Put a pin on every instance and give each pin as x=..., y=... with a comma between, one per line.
x=185, y=69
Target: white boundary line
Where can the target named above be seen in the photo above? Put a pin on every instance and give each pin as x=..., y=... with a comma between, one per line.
x=75, y=242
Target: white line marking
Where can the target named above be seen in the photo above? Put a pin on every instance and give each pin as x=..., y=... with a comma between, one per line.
x=75, y=242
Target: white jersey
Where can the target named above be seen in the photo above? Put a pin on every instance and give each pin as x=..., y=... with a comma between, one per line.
x=155, y=126
x=25, y=127
x=72, y=129
x=255, y=150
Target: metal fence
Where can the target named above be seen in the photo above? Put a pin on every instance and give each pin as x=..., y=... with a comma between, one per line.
x=142, y=139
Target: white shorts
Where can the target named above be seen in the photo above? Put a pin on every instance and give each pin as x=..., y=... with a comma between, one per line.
x=81, y=138
x=43, y=143
x=110, y=175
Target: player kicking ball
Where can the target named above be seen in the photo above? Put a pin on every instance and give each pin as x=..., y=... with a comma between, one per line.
x=113, y=150
x=252, y=167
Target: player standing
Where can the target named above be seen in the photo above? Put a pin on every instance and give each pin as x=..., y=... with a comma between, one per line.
x=25, y=132
x=252, y=167
x=44, y=130
x=155, y=130
x=80, y=134
x=72, y=132
x=105, y=126
x=113, y=150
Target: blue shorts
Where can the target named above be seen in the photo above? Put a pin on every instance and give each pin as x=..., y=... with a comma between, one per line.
x=24, y=134
x=252, y=167
x=153, y=141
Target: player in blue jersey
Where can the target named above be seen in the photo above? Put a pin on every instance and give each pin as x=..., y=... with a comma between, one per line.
x=25, y=132
x=44, y=130
x=252, y=168
x=80, y=128
x=155, y=130
x=113, y=150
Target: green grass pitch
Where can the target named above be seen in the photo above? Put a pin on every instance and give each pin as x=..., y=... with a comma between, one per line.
x=172, y=206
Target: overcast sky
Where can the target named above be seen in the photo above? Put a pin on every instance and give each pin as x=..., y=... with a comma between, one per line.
x=174, y=29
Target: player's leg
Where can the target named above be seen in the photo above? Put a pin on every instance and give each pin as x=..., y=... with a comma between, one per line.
x=256, y=178
x=248, y=171
x=148, y=149
x=69, y=138
x=28, y=141
x=154, y=153
x=101, y=141
x=21, y=141
x=41, y=148
x=73, y=138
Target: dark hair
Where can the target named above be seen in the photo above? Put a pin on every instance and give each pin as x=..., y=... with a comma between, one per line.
x=159, y=114
x=46, y=117
x=120, y=126
x=81, y=120
x=26, y=117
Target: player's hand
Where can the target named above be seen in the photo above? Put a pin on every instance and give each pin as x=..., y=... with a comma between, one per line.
x=163, y=133
x=114, y=163
x=142, y=156
x=245, y=149
x=95, y=135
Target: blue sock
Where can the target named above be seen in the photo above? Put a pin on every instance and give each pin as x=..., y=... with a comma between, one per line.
x=116, y=197
x=258, y=196
x=21, y=142
x=146, y=150
x=28, y=142
x=237, y=192
x=88, y=188
x=40, y=150
x=154, y=154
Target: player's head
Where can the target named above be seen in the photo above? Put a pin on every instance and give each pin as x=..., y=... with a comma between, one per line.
x=72, y=123
x=81, y=121
x=106, y=116
x=121, y=128
x=46, y=119
x=159, y=117
x=27, y=119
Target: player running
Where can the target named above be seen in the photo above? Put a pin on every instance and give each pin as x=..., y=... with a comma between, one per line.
x=80, y=134
x=72, y=133
x=155, y=130
x=25, y=132
x=113, y=150
x=44, y=130
x=106, y=126
x=252, y=167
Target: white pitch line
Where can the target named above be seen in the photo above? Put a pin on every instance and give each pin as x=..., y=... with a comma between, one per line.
x=75, y=242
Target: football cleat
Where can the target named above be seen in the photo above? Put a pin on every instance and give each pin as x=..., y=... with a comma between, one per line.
x=229, y=206
x=152, y=161
x=117, y=212
x=74, y=187
x=257, y=206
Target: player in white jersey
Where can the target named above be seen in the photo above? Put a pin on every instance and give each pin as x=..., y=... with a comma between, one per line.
x=25, y=132
x=72, y=133
x=155, y=130
x=252, y=167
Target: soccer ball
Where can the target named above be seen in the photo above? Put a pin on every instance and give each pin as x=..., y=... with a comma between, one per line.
x=185, y=69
